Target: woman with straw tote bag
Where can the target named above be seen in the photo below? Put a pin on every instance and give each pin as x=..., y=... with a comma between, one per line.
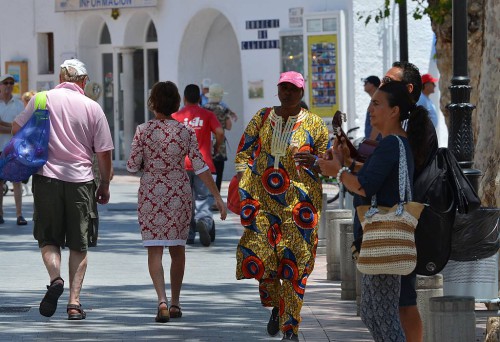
x=380, y=175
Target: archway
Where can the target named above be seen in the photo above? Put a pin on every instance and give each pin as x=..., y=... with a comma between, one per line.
x=210, y=49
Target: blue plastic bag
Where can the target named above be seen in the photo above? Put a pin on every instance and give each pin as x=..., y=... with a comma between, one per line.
x=28, y=149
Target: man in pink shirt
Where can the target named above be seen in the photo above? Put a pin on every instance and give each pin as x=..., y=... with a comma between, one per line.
x=204, y=123
x=64, y=192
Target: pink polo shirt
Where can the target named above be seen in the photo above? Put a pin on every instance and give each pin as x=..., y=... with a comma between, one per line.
x=78, y=126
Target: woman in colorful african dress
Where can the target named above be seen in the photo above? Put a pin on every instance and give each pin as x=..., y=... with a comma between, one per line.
x=281, y=194
x=159, y=149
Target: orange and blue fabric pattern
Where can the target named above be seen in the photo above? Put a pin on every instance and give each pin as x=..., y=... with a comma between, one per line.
x=280, y=209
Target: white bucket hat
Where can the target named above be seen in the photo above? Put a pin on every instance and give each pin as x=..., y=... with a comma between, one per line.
x=215, y=93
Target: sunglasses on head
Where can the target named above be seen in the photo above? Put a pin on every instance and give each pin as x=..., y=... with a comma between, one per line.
x=8, y=83
x=386, y=79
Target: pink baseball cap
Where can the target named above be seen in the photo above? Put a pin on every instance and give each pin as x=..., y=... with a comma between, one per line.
x=292, y=77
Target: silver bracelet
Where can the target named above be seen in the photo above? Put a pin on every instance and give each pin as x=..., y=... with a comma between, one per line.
x=341, y=171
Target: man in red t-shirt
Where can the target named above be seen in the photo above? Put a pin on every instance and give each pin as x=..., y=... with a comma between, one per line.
x=204, y=123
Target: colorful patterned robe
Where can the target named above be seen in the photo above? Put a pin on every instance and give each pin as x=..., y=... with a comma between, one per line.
x=280, y=211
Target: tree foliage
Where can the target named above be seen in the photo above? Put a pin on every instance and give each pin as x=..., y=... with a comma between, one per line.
x=482, y=59
x=435, y=9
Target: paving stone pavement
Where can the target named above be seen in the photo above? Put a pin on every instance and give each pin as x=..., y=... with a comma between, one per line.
x=119, y=297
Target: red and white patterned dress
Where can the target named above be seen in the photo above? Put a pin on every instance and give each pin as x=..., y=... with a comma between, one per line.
x=164, y=204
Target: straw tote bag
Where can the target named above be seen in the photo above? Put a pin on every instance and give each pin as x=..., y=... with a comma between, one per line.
x=388, y=245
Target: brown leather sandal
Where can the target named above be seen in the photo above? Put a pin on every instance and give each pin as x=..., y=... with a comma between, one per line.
x=176, y=313
x=48, y=305
x=79, y=315
x=162, y=316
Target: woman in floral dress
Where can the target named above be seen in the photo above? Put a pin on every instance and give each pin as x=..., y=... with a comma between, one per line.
x=281, y=196
x=158, y=149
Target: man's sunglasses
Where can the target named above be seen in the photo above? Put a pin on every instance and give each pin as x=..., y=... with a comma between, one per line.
x=8, y=83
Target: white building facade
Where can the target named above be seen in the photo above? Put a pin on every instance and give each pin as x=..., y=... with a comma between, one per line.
x=128, y=45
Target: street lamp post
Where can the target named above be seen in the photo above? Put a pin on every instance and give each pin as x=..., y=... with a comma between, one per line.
x=403, y=32
x=458, y=275
x=461, y=138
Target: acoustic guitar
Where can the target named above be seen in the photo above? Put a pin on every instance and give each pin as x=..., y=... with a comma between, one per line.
x=366, y=147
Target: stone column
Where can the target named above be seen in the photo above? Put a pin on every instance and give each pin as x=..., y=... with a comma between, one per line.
x=452, y=318
x=333, y=219
x=127, y=85
x=347, y=266
x=322, y=227
x=428, y=287
x=359, y=278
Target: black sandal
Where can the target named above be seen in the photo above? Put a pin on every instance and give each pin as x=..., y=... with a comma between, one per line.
x=48, y=305
x=163, y=315
x=177, y=313
x=75, y=316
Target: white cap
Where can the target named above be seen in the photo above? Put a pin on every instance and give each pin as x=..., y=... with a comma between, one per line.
x=77, y=65
x=206, y=82
x=5, y=77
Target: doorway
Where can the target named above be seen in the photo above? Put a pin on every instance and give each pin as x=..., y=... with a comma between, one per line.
x=125, y=115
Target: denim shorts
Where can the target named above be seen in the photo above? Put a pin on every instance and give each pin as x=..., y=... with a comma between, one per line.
x=408, y=295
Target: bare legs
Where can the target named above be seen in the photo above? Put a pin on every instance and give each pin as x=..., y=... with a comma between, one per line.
x=77, y=269
x=412, y=323
x=1, y=198
x=18, y=193
x=51, y=256
x=177, y=254
x=18, y=198
x=155, y=254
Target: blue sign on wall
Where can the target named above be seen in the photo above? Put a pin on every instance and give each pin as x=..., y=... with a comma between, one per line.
x=262, y=24
x=260, y=44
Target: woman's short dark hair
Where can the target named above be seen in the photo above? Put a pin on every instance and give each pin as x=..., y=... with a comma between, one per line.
x=164, y=98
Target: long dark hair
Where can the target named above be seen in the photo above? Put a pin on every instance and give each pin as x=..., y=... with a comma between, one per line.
x=417, y=116
x=164, y=98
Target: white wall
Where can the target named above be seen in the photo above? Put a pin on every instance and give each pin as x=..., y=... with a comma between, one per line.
x=370, y=49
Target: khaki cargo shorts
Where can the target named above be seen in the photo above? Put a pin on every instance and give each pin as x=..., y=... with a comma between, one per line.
x=65, y=213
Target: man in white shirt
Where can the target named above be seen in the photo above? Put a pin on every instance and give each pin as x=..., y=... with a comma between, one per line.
x=428, y=86
x=10, y=107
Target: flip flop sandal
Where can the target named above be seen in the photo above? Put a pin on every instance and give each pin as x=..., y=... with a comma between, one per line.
x=177, y=313
x=162, y=316
x=48, y=305
x=76, y=316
